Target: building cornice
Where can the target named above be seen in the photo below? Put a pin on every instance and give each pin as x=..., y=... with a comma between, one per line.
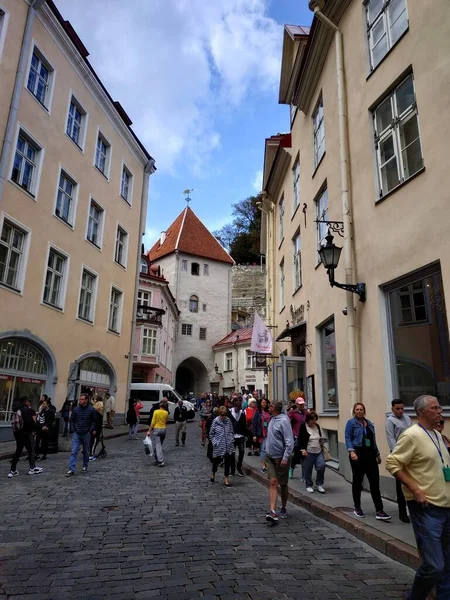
x=277, y=173
x=68, y=48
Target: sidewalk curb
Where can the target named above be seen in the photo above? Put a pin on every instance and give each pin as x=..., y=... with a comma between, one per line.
x=383, y=542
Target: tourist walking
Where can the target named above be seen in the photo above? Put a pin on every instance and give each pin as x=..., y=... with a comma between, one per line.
x=110, y=408
x=205, y=411
x=310, y=443
x=44, y=420
x=260, y=426
x=249, y=414
x=97, y=433
x=132, y=417
x=279, y=446
x=396, y=423
x=65, y=415
x=364, y=459
x=158, y=427
x=422, y=464
x=82, y=423
x=180, y=416
x=221, y=435
x=297, y=416
x=237, y=416
x=23, y=423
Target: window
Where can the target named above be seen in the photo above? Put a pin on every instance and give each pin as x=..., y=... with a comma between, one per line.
x=204, y=308
x=76, y=123
x=95, y=224
x=12, y=246
x=292, y=111
x=25, y=163
x=149, y=341
x=144, y=266
x=228, y=361
x=193, y=304
x=387, y=20
x=202, y=333
x=328, y=365
x=195, y=269
x=87, y=296
x=250, y=359
x=186, y=329
x=296, y=186
x=419, y=335
x=281, y=284
x=397, y=138
x=4, y=17
x=281, y=220
x=65, y=201
x=319, y=132
x=184, y=265
x=297, y=262
x=115, y=304
x=120, y=253
x=54, y=279
x=125, y=185
x=144, y=298
x=39, y=78
x=102, y=155
x=206, y=269
x=322, y=217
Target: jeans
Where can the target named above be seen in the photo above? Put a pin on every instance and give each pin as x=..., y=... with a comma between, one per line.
x=239, y=443
x=317, y=460
x=263, y=449
x=78, y=440
x=23, y=440
x=431, y=525
x=42, y=442
x=160, y=435
x=366, y=465
x=133, y=430
x=180, y=426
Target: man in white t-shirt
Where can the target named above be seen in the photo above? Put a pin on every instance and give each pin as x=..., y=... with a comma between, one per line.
x=110, y=408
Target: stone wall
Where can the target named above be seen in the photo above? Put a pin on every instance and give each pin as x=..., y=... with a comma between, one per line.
x=248, y=285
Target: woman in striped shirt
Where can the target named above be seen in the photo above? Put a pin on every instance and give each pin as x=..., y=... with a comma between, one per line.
x=221, y=436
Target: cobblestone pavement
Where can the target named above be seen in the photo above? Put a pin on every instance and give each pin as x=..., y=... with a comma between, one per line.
x=127, y=529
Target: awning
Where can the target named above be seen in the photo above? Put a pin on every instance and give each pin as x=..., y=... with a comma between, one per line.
x=292, y=330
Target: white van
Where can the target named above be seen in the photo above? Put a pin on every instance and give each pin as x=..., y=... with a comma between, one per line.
x=152, y=393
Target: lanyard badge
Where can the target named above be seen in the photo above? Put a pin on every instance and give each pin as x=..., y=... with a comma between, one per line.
x=437, y=443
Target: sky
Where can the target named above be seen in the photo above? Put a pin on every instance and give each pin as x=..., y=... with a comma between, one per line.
x=199, y=79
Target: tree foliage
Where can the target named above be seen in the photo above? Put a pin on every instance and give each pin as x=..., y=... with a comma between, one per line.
x=241, y=236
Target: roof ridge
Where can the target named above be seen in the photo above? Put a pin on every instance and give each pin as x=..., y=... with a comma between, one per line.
x=181, y=228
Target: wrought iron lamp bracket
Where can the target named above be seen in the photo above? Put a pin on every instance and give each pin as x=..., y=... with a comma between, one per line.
x=334, y=226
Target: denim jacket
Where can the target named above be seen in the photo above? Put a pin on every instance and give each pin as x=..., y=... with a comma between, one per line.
x=354, y=434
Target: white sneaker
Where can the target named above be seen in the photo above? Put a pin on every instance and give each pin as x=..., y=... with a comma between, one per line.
x=35, y=471
x=13, y=474
x=320, y=489
x=310, y=490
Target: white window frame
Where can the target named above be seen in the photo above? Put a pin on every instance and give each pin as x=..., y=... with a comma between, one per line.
x=186, y=329
x=24, y=254
x=4, y=19
x=296, y=185
x=206, y=269
x=410, y=294
x=81, y=144
x=394, y=130
x=193, y=298
x=116, y=289
x=123, y=264
x=250, y=359
x=95, y=275
x=321, y=375
x=184, y=264
x=144, y=301
x=202, y=330
x=143, y=263
x=108, y=154
x=47, y=104
x=40, y=152
x=62, y=172
x=319, y=131
x=281, y=211
x=101, y=226
x=228, y=361
x=129, y=198
x=281, y=281
x=64, y=279
x=322, y=215
x=152, y=340
x=383, y=17
x=297, y=261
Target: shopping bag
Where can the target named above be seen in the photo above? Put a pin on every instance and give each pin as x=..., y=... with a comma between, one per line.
x=148, y=445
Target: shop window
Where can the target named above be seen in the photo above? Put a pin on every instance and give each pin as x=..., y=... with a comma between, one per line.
x=330, y=400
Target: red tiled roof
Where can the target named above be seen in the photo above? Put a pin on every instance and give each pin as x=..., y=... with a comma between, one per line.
x=188, y=234
x=236, y=337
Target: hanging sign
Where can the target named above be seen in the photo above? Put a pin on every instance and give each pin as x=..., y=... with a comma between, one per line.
x=30, y=380
x=5, y=377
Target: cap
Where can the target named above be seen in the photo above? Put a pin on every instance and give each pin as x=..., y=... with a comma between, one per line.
x=299, y=401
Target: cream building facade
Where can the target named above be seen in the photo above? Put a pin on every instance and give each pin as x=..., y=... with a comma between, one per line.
x=73, y=197
x=367, y=149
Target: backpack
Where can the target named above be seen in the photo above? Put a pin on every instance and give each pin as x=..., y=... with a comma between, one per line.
x=17, y=421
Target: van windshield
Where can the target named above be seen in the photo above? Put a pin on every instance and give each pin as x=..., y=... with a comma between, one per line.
x=171, y=395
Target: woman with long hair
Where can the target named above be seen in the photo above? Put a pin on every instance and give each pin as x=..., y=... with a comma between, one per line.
x=221, y=435
x=260, y=426
x=310, y=445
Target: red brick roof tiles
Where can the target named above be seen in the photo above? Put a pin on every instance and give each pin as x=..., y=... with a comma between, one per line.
x=236, y=337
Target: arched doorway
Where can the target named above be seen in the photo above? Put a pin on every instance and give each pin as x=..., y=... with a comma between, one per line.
x=27, y=368
x=191, y=376
x=91, y=374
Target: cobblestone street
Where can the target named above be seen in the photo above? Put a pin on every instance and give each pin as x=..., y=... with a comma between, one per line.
x=127, y=529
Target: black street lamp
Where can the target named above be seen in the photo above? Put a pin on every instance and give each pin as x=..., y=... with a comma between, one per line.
x=329, y=255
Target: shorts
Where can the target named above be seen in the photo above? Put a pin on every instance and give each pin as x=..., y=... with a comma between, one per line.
x=276, y=471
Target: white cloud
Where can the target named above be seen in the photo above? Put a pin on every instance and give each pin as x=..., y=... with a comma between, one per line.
x=257, y=181
x=150, y=237
x=175, y=66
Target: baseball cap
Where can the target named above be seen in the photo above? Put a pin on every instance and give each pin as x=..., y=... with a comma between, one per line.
x=299, y=401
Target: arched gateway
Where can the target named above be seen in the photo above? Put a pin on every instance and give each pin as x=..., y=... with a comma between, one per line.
x=191, y=376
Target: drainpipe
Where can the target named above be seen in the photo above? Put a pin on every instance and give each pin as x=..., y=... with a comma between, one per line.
x=148, y=170
x=344, y=153
x=17, y=93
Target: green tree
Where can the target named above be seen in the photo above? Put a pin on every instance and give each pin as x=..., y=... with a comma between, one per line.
x=241, y=236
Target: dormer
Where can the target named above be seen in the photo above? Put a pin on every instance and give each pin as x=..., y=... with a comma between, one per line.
x=294, y=45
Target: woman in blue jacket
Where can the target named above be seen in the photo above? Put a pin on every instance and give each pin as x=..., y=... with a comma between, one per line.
x=364, y=460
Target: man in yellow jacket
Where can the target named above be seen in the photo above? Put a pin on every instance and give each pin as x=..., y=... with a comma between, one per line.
x=421, y=462
x=158, y=426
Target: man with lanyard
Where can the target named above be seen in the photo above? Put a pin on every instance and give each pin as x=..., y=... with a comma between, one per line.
x=422, y=464
x=180, y=418
x=237, y=416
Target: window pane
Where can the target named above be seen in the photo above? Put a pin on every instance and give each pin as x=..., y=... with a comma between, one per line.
x=329, y=371
x=405, y=95
x=397, y=19
x=383, y=116
x=373, y=9
x=411, y=149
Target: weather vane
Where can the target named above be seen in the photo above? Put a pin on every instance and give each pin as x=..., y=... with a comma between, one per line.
x=186, y=193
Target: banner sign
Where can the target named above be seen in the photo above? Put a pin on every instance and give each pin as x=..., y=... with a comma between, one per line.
x=261, y=337
x=30, y=380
